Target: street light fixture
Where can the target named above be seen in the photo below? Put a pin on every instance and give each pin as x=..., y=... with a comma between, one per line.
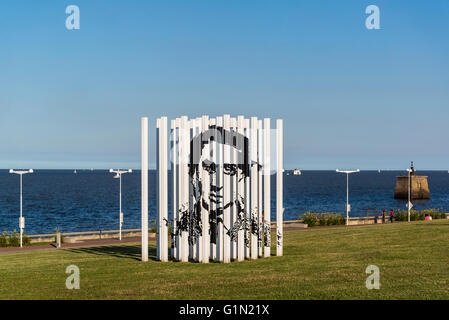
x=119, y=176
x=409, y=203
x=21, y=218
x=347, y=191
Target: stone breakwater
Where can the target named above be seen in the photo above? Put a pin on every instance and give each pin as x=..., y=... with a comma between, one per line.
x=419, y=188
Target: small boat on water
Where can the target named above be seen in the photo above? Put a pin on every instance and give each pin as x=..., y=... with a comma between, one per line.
x=74, y=171
x=379, y=171
x=296, y=172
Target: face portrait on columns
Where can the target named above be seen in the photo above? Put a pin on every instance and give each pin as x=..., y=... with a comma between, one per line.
x=210, y=197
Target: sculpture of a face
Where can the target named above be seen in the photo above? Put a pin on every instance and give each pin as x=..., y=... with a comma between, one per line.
x=205, y=163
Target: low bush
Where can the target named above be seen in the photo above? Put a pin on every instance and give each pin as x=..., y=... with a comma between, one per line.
x=3, y=239
x=416, y=215
x=313, y=219
x=25, y=240
x=12, y=239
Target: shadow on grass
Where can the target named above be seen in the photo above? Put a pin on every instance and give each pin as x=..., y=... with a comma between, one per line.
x=129, y=252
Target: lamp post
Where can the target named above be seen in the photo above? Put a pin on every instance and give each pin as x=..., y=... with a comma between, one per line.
x=21, y=219
x=119, y=176
x=409, y=203
x=347, y=190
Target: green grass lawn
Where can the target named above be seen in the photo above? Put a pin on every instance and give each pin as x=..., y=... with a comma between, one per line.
x=317, y=264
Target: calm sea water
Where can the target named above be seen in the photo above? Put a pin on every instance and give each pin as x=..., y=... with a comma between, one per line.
x=89, y=200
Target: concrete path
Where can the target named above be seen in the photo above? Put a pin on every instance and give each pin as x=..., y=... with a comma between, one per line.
x=87, y=243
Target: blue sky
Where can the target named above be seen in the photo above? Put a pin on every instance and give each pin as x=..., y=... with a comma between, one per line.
x=349, y=97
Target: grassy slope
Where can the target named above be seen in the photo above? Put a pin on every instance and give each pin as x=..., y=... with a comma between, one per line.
x=318, y=264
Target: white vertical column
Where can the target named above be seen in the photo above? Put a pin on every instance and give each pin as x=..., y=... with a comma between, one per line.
x=158, y=199
x=185, y=184
x=254, y=188
x=267, y=187
x=205, y=196
x=193, y=191
x=213, y=183
x=234, y=222
x=226, y=193
x=240, y=192
x=174, y=187
x=162, y=251
x=279, y=187
x=165, y=187
x=219, y=192
x=180, y=188
x=193, y=131
x=199, y=178
x=247, y=193
x=144, y=188
x=260, y=195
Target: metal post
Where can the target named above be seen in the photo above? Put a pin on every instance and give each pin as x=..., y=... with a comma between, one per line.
x=347, y=190
x=58, y=239
x=408, y=204
x=120, y=209
x=21, y=226
x=347, y=198
x=21, y=218
x=144, y=188
x=120, y=214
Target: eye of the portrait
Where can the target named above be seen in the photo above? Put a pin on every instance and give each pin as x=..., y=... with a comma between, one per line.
x=209, y=166
x=229, y=169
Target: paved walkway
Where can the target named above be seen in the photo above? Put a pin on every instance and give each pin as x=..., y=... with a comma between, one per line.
x=86, y=243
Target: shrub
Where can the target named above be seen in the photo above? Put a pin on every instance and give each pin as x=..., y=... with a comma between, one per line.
x=3, y=240
x=313, y=219
x=25, y=240
x=416, y=215
x=310, y=219
x=13, y=239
